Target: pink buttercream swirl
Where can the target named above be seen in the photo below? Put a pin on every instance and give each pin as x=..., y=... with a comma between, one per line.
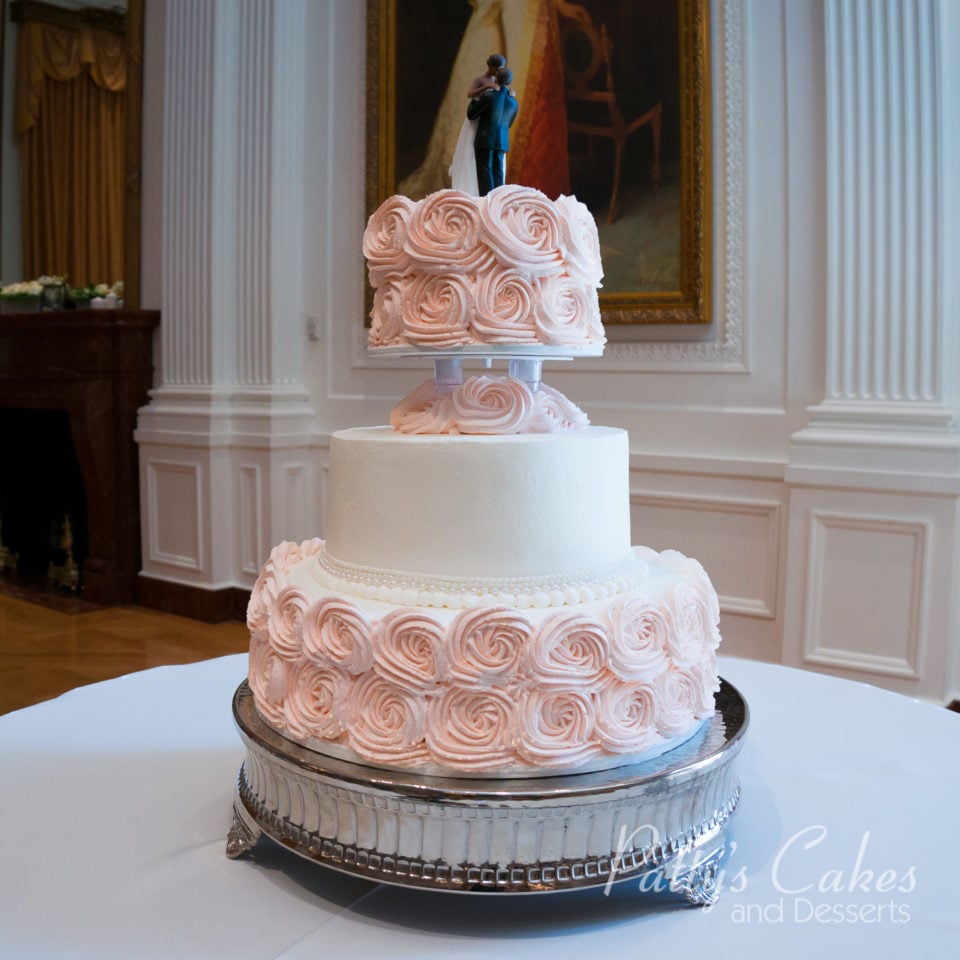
x=700, y=582
x=486, y=646
x=386, y=722
x=554, y=413
x=268, y=678
x=504, y=307
x=567, y=311
x=385, y=235
x=556, y=727
x=688, y=635
x=438, y=309
x=523, y=227
x=314, y=705
x=495, y=405
x=638, y=631
x=569, y=648
x=627, y=717
x=270, y=582
x=424, y=410
x=386, y=317
x=487, y=405
x=336, y=633
x=471, y=729
x=444, y=232
x=286, y=619
x=408, y=649
x=581, y=240
x=679, y=699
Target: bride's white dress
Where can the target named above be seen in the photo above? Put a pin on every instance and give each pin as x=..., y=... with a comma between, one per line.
x=463, y=169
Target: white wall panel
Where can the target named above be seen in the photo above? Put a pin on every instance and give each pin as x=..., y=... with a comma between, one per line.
x=176, y=512
x=865, y=593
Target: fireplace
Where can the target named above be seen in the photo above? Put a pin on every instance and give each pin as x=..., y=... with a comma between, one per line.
x=71, y=382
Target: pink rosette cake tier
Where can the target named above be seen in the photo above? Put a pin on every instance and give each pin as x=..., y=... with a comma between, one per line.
x=511, y=272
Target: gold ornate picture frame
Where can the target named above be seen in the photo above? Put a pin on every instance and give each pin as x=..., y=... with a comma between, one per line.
x=639, y=72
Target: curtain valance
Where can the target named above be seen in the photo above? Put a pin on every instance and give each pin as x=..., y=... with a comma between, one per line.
x=61, y=53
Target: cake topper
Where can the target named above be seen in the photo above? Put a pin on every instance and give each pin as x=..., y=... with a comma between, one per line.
x=479, y=158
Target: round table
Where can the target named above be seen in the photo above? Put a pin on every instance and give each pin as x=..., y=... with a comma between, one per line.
x=117, y=799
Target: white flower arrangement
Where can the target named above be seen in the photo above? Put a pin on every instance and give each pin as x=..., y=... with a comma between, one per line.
x=22, y=291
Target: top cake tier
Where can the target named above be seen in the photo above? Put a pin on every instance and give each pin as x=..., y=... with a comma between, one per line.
x=510, y=273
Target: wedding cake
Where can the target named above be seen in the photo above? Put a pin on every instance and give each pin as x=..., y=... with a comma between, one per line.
x=477, y=609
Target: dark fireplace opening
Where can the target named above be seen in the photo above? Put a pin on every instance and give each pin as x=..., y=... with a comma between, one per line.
x=43, y=506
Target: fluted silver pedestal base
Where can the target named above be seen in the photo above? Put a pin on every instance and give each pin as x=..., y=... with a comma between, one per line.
x=670, y=815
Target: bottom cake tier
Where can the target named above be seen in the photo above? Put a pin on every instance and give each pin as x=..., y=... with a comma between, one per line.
x=511, y=682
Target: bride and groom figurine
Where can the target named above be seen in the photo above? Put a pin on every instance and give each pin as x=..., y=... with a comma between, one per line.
x=479, y=160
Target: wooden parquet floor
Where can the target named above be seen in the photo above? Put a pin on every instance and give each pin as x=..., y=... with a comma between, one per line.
x=45, y=652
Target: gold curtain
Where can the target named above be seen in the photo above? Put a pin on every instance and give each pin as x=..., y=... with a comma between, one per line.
x=70, y=116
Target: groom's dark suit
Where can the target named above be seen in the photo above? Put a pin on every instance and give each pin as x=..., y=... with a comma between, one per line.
x=494, y=112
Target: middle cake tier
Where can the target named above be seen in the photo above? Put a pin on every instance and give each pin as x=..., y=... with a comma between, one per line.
x=529, y=513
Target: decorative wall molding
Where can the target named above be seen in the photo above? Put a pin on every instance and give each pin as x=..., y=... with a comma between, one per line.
x=174, y=489
x=764, y=603
x=251, y=538
x=820, y=647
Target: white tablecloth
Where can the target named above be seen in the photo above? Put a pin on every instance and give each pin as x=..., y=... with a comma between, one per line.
x=116, y=799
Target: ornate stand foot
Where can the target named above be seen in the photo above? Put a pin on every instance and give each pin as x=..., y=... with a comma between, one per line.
x=242, y=837
x=698, y=882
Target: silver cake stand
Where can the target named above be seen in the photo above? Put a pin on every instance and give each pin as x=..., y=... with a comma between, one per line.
x=671, y=816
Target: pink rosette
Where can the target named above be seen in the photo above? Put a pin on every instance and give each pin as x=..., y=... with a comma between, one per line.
x=336, y=633
x=286, y=619
x=444, y=232
x=639, y=633
x=314, y=706
x=504, y=308
x=386, y=317
x=408, y=650
x=264, y=595
x=438, y=310
x=581, y=239
x=491, y=405
x=486, y=646
x=553, y=413
x=385, y=235
x=285, y=555
x=523, y=226
x=627, y=717
x=567, y=312
x=312, y=547
x=423, y=411
x=556, y=727
x=471, y=729
x=569, y=648
x=700, y=582
x=688, y=636
x=385, y=722
x=679, y=698
x=268, y=676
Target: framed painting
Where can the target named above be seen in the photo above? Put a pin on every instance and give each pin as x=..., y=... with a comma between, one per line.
x=614, y=108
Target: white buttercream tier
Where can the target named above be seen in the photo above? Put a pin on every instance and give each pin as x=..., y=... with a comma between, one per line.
x=490, y=690
x=524, y=505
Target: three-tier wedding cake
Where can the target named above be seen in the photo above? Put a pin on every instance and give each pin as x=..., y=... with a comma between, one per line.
x=477, y=608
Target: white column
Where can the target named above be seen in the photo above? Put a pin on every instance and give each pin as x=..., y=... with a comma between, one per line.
x=227, y=442
x=874, y=528
x=890, y=401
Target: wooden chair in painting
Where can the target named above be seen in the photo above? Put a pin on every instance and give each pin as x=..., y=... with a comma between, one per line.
x=593, y=106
